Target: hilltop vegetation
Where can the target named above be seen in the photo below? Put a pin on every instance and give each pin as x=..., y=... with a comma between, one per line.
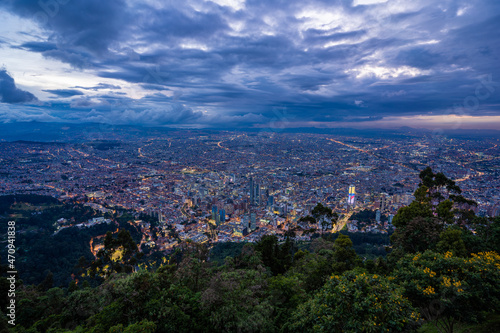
x=443, y=272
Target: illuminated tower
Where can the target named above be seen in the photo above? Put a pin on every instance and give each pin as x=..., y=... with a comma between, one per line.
x=351, y=199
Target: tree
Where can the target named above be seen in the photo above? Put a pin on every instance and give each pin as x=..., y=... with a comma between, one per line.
x=234, y=302
x=119, y=255
x=356, y=303
x=450, y=289
x=313, y=268
x=286, y=293
x=344, y=256
x=323, y=215
x=418, y=235
x=438, y=203
x=487, y=236
x=277, y=257
x=451, y=240
x=47, y=283
x=192, y=270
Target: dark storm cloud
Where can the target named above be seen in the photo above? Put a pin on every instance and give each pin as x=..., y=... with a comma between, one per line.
x=9, y=93
x=171, y=22
x=325, y=60
x=92, y=24
x=64, y=92
x=99, y=87
x=38, y=46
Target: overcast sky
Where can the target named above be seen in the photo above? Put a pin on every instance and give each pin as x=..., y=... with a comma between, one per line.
x=253, y=63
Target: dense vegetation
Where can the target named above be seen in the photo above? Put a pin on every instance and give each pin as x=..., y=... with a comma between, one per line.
x=439, y=274
x=43, y=254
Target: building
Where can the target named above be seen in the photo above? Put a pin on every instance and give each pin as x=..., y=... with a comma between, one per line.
x=253, y=221
x=255, y=192
x=251, y=190
x=222, y=216
x=270, y=201
x=351, y=198
x=214, y=212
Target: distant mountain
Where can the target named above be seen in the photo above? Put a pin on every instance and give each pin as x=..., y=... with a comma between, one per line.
x=84, y=132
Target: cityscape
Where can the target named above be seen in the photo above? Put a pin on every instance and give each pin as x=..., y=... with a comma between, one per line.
x=237, y=187
x=249, y=166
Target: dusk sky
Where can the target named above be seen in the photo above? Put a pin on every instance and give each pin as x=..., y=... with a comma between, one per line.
x=254, y=63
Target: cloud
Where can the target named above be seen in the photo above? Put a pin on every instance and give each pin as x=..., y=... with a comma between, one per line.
x=9, y=93
x=99, y=87
x=38, y=46
x=64, y=92
x=323, y=61
x=171, y=114
x=14, y=113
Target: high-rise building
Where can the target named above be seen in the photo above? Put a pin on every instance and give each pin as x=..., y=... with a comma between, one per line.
x=377, y=215
x=214, y=212
x=383, y=201
x=270, y=201
x=253, y=221
x=351, y=199
x=246, y=222
x=252, y=191
x=257, y=194
x=222, y=215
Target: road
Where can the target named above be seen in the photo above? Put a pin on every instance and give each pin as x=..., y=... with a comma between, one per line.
x=342, y=222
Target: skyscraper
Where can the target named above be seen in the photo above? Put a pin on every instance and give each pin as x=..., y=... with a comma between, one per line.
x=214, y=212
x=246, y=222
x=351, y=199
x=253, y=221
x=270, y=201
x=383, y=201
x=222, y=215
x=257, y=194
x=254, y=189
x=251, y=190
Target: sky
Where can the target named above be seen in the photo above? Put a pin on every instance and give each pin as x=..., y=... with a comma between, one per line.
x=252, y=63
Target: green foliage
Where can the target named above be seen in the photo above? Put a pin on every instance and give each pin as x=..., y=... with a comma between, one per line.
x=328, y=258
x=119, y=255
x=410, y=212
x=234, y=302
x=438, y=203
x=356, y=303
x=417, y=235
x=286, y=293
x=143, y=326
x=277, y=257
x=366, y=215
x=220, y=251
x=451, y=240
x=344, y=257
x=324, y=215
x=39, y=250
x=487, y=237
x=449, y=289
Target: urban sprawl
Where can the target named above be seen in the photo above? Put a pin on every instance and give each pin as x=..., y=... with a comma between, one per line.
x=234, y=187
